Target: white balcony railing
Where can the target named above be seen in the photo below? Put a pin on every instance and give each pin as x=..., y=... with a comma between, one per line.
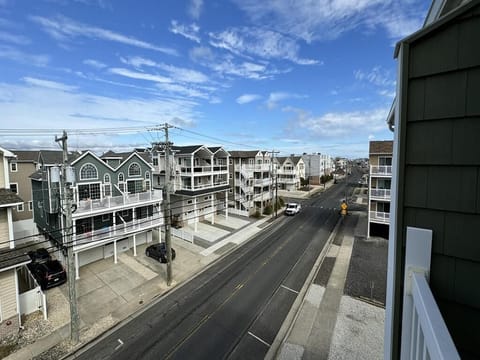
x=380, y=217
x=111, y=202
x=202, y=186
x=382, y=194
x=381, y=170
x=253, y=167
x=262, y=182
x=202, y=170
x=122, y=229
x=424, y=333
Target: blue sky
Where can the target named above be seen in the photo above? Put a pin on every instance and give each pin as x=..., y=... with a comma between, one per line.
x=291, y=75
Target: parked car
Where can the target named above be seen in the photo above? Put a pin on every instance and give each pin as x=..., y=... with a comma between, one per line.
x=292, y=208
x=159, y=252
x=47, y=271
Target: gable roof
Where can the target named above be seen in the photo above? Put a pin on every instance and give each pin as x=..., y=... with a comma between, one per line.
x=295, y=159
x=8, y=198
x=244, y=153
x=27, y=155
x=130, y=155
x=186, y=150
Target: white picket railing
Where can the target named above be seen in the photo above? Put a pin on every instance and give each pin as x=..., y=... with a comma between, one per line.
x=424, y=333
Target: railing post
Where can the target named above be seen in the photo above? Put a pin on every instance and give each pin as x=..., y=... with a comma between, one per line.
x=417, y=260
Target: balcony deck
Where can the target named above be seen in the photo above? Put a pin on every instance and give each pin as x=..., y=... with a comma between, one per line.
x=88, y=207
x=380, y=217
x=381, y=170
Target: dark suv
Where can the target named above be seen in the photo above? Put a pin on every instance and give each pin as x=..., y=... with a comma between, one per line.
x=159, y=252
x=48, y=272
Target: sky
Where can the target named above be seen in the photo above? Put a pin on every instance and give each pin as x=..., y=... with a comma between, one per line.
x=294, y=76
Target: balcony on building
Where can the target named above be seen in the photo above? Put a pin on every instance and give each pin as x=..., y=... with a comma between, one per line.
x=381, y=170
x=380, y=217
x=380, y=194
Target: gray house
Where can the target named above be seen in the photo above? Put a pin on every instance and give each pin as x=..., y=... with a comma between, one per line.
x=435, y=184
x=115, y=207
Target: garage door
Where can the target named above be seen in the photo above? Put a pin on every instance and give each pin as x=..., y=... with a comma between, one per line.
x=122, y=245
x=89, y=256
x=141, y=238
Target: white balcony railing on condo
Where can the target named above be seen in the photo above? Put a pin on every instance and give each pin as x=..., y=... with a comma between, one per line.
x=262, y=182
x=287, y=181
x=286, y=172
x=112, y=202
x=383, y=194
x=380, y=217
x=201, y=170
x=381, y=170
x=123, y=229
x=424, y=332
x=202, y=186
x=253, y=167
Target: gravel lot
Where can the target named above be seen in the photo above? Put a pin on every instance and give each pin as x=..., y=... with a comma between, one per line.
x=367, y=273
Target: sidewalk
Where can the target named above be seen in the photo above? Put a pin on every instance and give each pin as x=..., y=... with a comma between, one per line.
x=328, y=324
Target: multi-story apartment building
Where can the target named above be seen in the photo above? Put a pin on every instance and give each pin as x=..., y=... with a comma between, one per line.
x=317, y=165
x=433, y=292
x=380, y=181
x=199, y=182
x=289, y=172
x=115, y=207
x=251, y=181
x=10, y=258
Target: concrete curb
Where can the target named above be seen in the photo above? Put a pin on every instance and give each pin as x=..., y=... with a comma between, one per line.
x=294, y=312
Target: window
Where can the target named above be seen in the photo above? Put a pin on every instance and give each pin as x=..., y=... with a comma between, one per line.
x=147, y=175
x=14, y=188
x=30, y=206
x=20, y=207
x=134, y=170
x=230, y=176
x=88, y=172
x=106, y=178
x=147, y=185
x=230, y=161
x=135, y=186
x=105, y=217
x=89, y=191
x=13, y=167
x=155, y=161
x=107, y=190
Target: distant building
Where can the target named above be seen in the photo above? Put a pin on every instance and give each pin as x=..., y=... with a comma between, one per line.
x=316, y=166
x=289, y=172
x=380, y=182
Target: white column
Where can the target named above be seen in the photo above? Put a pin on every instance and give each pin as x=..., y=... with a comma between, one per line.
x=134, y=244
x=114, y=222
x=195, y=215
x=213, y=210
x=77, y=268
x=115, y=260
x=10, y=227
x=133, y=218
x=226, y=204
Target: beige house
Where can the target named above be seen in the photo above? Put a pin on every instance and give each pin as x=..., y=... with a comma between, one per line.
x=379, y=188
x=10, y=260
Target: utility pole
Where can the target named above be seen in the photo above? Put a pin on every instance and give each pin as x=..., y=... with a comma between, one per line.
x=166, y=204
x=273, y=152
x=67, y=232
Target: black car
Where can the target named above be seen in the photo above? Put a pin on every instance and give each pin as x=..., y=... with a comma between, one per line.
x=48, y=272
x=159, y=252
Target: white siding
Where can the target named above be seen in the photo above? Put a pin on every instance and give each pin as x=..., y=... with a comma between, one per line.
x=8, y=298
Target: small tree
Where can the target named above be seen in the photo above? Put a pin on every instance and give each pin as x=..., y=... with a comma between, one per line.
x=257, y=214
x=268, y=210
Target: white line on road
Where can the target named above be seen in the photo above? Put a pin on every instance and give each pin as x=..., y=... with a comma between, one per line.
x=119, y=346
x=286, y=287
x=256, y=337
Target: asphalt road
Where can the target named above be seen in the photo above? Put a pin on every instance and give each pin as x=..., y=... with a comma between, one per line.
x=235, y=308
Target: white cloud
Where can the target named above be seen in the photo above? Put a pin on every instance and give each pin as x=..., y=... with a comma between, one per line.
x=341, y=123
x=275, y=97
x=377, y=76
x=176, y=73
x=94, y=63
x=22, y=57
x=259, y=42
x=328, y=19
x=49, y=106
x=188, y=31
x=247, y=98
x=48, y=84
x=195, y=8
x=15, y=39
x=140, y=75
x=62, y=28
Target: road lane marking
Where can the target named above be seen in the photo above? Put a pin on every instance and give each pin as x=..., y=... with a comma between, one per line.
x=256, y=337
x=119, y=346
x=287, y=288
